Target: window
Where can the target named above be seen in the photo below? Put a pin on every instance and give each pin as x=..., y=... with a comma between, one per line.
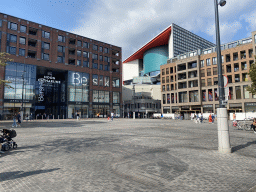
x=168, y=87
x=246, y=93
x=209, y=81
x=101, y=67
x=11, y=50
x=95, y=47
x=85, y=64
x=106, y=50
x=79, y=53
x=209, y=73
x=237, y=77
x=12, y=26
x=61, y=49
x=21, y=52
x=11, y=38
x=101, y=80
x=79, y=43
x=215, y=71
x=202, y=73
x=203, y=95
x=116, y=98
x=95, y=79
x=167, y=79
x=238, y=92
x=210, y=98
x=1, y=22
x=202, y=82
x=45, y=56
x=85, y=54
x=106, y=67
x=61, y=38
x=32, y=31
x=95, y=65
x=106, y=81
x=95, y=56
x=101, y=58
x=22, y=40
x=208, y=62
x=46, y=34
x=79, y=62
x=214, y=60
x=60, y=59
x=164, y=99
x=23, y=29
x=101, y=49
x=163, y=79
x=222, y=59
x=167, y=71
x=45, y=45
x=85, y=45
x=106, y=59
x=202, y=63
x=115, y=82
x=163, y=88
x=71, y=61
x=215, y=80
x=72, y=41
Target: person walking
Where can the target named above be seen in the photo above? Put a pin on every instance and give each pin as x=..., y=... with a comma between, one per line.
x=77, y=115
x=112, y=116
x=210, y=118
x=201, y=118
x=14, y=120
x=19, y=119
x=213, y=117
x=234, y=117
x=253, y=125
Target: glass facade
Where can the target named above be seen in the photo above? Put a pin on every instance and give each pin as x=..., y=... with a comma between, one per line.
x=50, y=93
x=22, y=78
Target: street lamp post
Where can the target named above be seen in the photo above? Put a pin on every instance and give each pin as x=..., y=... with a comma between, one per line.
x=223, y=130
x=22, y=109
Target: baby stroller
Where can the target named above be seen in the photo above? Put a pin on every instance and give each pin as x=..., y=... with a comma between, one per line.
x=6, y=139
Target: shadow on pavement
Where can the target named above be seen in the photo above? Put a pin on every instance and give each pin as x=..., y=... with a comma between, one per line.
x=236, y=148
x=50, y=124
x=20, y=174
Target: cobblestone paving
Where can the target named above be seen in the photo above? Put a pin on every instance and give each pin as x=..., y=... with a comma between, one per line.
x=126, y=155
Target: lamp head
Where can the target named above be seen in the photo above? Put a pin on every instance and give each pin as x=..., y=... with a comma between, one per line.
x=222, y=3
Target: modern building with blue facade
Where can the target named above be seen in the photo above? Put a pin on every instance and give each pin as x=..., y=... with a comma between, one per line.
x=173, y=41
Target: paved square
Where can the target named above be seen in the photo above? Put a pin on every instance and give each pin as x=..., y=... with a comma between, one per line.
x=95, y=155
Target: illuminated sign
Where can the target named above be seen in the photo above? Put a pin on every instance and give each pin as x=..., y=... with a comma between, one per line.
x=78, y=78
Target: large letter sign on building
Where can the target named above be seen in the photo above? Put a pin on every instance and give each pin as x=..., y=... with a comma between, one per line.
x=77, y=79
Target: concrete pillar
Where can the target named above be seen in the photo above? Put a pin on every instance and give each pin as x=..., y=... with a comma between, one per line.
x=223, y=131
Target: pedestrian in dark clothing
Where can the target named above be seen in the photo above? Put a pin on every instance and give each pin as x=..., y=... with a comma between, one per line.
x=19, y=119
x=253, y=125
x=14, y=121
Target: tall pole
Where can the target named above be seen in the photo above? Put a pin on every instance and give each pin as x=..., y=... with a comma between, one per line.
x=223, y=130
x=22, y=97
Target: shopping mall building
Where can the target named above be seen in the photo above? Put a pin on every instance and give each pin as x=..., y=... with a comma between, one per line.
x=57, y=73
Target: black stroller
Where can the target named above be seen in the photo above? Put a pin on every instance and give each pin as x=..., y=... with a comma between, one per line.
x=6, y=139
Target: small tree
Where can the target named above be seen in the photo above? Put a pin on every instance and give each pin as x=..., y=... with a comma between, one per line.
x=3, y=62
x=252, y=74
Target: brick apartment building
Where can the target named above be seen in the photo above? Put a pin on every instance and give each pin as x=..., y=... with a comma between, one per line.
x=189, y=81
x=57, y=72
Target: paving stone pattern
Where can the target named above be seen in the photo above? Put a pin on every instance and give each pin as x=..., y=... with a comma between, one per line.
x=97, y=155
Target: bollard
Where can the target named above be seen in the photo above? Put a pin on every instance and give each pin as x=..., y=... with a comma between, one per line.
x=42, y=117
x=58, y=116
x=53, y=117
x=63, y=116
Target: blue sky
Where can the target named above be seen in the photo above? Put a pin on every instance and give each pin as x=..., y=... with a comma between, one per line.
x=132, y=23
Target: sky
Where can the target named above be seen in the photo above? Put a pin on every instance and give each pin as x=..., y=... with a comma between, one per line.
x=131, y=24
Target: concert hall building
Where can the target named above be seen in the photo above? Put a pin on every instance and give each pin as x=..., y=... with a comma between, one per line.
x=57, y=73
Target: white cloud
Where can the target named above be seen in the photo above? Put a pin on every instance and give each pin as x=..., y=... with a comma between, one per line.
x=130, y=24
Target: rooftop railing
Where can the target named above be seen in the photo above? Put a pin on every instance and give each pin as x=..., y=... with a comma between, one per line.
x=209, y=50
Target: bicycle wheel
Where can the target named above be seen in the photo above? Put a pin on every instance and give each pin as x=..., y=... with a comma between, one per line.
x=247, y=127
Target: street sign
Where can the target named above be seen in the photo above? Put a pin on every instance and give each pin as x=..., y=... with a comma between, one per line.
x=225, y=80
